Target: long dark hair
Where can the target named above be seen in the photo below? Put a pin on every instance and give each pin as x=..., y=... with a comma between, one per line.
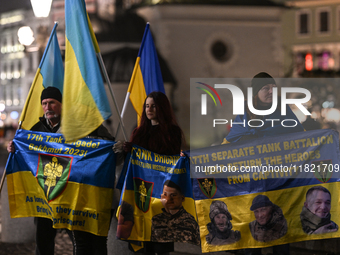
x=169, y=139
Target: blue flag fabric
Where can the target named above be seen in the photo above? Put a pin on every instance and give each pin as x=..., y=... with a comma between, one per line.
x=157, y=200
x=267, y=198
x=85, y=104
x=69, y=183
x=50, y=73
x=146, y=76
x=288, y=175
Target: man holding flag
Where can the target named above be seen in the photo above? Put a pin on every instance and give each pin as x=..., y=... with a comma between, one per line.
x=50, y=73
x=82, y=117
x=50, y=122
x=51, y=101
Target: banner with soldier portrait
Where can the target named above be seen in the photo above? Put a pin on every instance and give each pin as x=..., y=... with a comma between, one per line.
x=69, y=183
x=266, y=192
x=157, y=201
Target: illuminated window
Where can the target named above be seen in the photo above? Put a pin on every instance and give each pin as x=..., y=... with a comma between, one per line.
x=325, y=61
x=304, y=61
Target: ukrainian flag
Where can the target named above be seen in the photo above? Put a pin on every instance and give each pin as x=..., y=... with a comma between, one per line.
x=146, y=76
x=50, y=73
x=69, y=183
x=85, y=105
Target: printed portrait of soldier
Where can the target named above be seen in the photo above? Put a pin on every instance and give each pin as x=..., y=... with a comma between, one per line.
x=270, y=223
x=315, y=215
x=174, y=224
x=220, y=227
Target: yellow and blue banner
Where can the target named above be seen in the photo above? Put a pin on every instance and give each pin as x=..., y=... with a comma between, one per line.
x=157, y=202
x=146, y=76
x=70, y=183
x=270, y=191
x=50, y=73
x=85, y=104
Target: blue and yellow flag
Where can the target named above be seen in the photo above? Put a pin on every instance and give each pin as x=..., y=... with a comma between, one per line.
x=50, y=73
x=270, y=191
x=146, y=76
x=157, y=201
x=85, y=104
x=69, y=183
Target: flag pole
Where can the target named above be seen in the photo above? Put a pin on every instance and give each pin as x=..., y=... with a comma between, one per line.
x=101, y=62
x=4, y=173
x=24, y=111
x=2, y=179
x=102, y=66
x=123, y=110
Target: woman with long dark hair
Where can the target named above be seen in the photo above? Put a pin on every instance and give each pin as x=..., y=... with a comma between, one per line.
x=158, y=132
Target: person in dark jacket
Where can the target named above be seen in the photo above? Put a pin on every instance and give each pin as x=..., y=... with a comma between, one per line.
x=263, y=85
x=83, y=242
x=51, y=99
x=158, y=132
x=315, y=215
x=269, y=223
x=220, y=227
x=174, y=223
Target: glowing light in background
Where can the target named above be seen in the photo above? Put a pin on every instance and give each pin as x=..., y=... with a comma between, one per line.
x=25, y=35
x=315, y=115
x=328, y=104
x=331, y=114
x=308, y=62
x=3, y=116
x=14, y=115
x=41, y=8
x=2, y=107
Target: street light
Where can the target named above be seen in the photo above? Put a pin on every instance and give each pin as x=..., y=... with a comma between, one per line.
x=41, y=8
x=25, y=35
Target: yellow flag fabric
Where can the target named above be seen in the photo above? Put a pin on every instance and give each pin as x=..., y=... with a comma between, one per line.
x=50, y=73
x=269, y=191
x=146, y=76
x=70, y=183
x=85, y=104
x=142, y=206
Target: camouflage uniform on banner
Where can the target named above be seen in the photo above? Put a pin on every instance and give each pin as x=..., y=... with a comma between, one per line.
x=274, y=229
x=221, y=233
x=311, y=222
x=178, y=227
